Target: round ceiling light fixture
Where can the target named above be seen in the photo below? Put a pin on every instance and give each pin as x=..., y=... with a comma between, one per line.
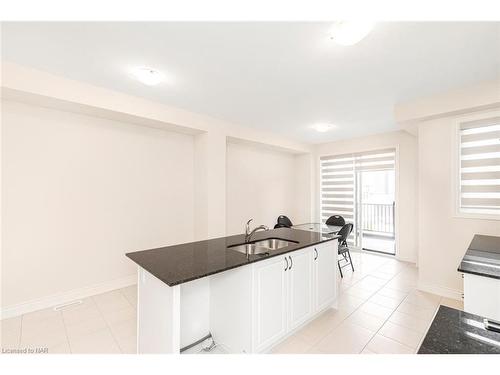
x=148, y=76
x=322, y=127
x=348, y=33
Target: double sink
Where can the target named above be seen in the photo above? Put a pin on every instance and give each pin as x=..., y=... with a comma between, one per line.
x=262, y=247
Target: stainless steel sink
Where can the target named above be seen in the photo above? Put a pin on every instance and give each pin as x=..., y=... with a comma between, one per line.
x=262, y=246
x=273, y=243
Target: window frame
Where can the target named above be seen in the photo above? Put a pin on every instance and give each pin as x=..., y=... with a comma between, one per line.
x=456, y=165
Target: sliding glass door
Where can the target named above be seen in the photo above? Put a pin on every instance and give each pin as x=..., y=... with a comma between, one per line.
x=361, y=188
x=376, y=210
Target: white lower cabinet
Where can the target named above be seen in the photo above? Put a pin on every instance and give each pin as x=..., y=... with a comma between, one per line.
x=269, y=301
x=325, y=255
x=290, y=289
x=300, y=287
x=255, y=307
x=482, y=296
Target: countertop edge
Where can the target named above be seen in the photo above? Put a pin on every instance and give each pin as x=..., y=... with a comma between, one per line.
x=478, y=273
x=479, y=269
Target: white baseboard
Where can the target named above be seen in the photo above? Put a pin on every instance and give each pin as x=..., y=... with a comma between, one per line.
x=66, y=297
x=407, y=260
x=440, y=290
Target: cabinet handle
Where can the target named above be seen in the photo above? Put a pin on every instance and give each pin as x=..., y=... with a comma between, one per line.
x=316, y=251
x=491, y=325
x=286, y=260
x=291, y=263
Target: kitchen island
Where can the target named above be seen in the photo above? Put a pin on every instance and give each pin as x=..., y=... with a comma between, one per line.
x=255, y=300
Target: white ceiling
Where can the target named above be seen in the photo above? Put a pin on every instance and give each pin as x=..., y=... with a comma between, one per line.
x=278, y=76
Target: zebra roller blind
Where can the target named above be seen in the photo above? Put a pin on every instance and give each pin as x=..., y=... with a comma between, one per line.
x=480, y=166
x=338, y=181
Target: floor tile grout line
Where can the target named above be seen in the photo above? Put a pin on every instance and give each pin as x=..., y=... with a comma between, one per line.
x=422, y=334
x=410, y=329
x=341, y=322
x=66, y=332
x=124, y=296
x=20, y=332
x=430, y=323
x=394, y=309
x=318, y=340
x=66, y=325
x=385, y=321
x=406, y=292
x=134, y=307
x=357, y=308
x=108, y=326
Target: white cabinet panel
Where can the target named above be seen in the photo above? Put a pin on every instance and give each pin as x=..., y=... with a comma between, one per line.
x=300, y=291
x=269, y=301
x=158, y=315
x=482, y=296
x=325, y=266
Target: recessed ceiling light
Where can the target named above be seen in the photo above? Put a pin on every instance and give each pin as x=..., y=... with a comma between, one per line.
x=347, y=33
x=322, y=127
x=148, y=76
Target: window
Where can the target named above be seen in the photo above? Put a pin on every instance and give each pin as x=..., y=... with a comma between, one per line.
x=360, y=187
x=479, y=167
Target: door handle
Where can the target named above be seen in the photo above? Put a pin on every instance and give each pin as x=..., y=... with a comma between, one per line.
x=291, y=263
x=286, y=260
x=316, y=251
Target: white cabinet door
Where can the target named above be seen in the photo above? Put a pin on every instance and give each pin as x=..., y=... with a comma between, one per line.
x=325, y=271
x=270, y=299
x=300, y=291
x=482, y=296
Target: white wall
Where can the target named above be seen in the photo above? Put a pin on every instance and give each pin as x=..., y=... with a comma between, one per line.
x=206, y=217
x=260, y=185
x=443, y=237
x=78, y=192
x=406, y=208
x=305, y=185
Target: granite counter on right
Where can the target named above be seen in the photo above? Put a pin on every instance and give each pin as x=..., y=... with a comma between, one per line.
x=457, y=332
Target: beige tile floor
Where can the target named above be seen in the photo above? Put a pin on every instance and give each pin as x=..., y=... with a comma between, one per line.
x=379, y=311
x=105, y=323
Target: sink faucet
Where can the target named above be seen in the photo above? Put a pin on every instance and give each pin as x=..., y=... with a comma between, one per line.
x=249, y=234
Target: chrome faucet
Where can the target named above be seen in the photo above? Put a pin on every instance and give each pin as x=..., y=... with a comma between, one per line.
x=249, y=234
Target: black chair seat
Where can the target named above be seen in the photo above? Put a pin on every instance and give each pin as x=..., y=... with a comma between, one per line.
x=335, y=220
x=284, y=222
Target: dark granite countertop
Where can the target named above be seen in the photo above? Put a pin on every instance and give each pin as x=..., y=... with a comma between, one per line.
x=178, y=264
x=482, y=257
x=456, y=332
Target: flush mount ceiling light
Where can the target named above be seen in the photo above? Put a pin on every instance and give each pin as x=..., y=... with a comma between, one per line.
x=347, y=33
x=322, y=127
x=148, y=76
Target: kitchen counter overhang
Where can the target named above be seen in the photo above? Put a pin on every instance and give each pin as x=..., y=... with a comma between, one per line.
x=186, y=262
x=482, y=257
